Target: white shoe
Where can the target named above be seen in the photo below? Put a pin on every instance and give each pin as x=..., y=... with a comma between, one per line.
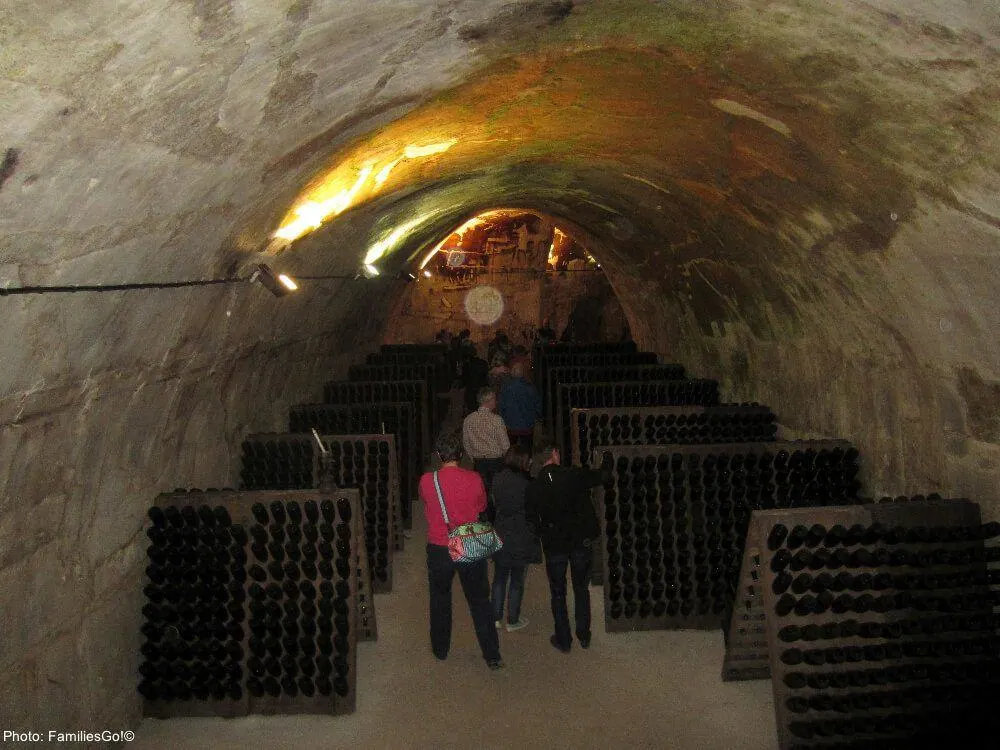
x=498, y=623
x=522, y=622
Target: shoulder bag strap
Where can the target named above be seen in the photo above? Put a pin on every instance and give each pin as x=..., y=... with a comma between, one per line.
x=444, y=510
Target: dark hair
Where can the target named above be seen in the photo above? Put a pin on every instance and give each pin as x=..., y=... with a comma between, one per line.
x=517, y=458
x=448, y=446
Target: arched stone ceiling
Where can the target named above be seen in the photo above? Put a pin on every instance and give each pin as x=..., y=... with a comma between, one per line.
x=799, y=197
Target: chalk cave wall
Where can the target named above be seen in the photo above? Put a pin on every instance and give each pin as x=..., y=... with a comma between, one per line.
x=80, y=464
x=892, y=348
x=425, y=307
x=588, y=299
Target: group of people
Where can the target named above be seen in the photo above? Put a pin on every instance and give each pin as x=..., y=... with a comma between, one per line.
x=551, y=514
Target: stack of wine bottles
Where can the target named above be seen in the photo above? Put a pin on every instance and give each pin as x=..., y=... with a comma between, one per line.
x=669, y=425
x=627, y=393
x=393, y=418
x=545, y=359
x=408, y=391
x=302, y=602
x=367, y=462
x=415, y=354
x=276, y=461
x=427, y=373
x=665, y=425
x=675, y=519
x=881, y=625
x=252, y=604
x=747, y=655
x=559, y=375
x=555, y=355
x=194, y=615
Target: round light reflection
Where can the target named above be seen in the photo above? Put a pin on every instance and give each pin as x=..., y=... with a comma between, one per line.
x=484, y=305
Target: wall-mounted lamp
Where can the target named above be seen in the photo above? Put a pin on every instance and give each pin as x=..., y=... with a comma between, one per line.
x=279, y=285
x=427, y=274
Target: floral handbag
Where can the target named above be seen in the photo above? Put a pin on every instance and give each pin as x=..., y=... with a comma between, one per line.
x=470, y=542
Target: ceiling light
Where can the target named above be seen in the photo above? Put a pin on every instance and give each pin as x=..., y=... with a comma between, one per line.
x=427, y=274
x=370, y=271
x=278, y=286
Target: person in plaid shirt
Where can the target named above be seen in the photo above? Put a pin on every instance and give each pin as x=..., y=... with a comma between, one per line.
x=484, y=436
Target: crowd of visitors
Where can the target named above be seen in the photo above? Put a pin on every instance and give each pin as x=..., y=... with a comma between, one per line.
x=550, y=517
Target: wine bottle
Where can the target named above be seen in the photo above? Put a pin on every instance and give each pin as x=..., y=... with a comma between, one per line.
x=791, y=656
x=255, y=687
x=805, y=606
x=835, y=536
x=260, y=514
x=800, y=560
x=795, y=680
x=797, y=537
x=820, y=559
x=777, y=537
x=323, y=686
x=802, y=583
x=814, y=537
x=810, y=633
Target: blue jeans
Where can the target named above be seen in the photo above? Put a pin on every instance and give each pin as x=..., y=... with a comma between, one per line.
x=579, y=562
x=501, y=574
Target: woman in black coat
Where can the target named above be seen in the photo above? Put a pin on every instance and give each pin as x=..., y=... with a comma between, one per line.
x=520, y=538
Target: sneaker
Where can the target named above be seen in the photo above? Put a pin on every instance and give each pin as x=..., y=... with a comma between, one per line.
x=494, y=664
x=498, y=624
x=584, y=640
x=555, y=644
x=522, y=622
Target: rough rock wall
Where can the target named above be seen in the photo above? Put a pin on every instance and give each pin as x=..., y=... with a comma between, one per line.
x=80, y=466
x=588, y=299
x=426, y=307
x=896, y=351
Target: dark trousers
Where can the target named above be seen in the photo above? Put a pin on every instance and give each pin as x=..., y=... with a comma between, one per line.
x=522, y=438
x=487, y=469
x=475, y=580
x=501, y=575
x=579, y=562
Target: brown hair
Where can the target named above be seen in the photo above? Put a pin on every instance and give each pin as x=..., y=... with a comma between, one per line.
x=517, y=458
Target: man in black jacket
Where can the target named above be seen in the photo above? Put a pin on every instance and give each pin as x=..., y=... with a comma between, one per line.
x=559, y=498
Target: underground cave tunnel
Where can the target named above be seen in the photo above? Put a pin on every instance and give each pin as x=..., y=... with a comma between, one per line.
x=794, y=200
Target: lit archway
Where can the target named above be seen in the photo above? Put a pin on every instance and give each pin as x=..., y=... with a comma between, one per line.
x=511, y=269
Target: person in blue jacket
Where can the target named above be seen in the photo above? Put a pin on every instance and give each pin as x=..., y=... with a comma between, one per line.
x=520, y=406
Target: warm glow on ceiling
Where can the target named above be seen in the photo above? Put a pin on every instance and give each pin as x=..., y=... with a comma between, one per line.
x=331, y=197
x=389, y=241
x=557, y=239
x=475, y=221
